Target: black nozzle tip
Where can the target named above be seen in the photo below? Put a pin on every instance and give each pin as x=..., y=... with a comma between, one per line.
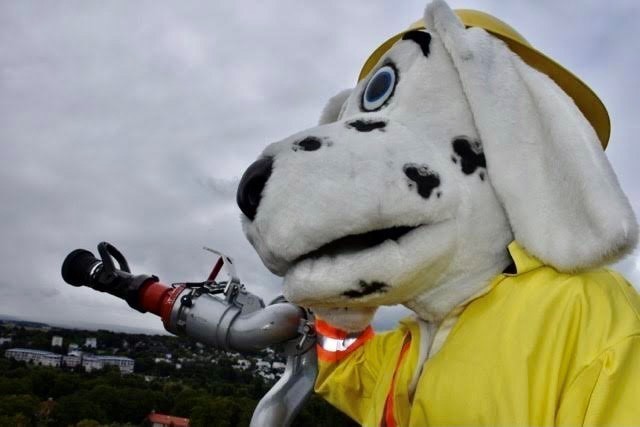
x=76, y=268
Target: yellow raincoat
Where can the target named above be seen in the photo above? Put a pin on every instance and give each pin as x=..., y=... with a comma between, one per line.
x=538, y=348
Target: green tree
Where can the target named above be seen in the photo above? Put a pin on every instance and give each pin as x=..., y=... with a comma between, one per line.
x=75, y=408
x=19, y=404
x=42, y=381
x=64, y=384
x=18, y=420
x=144, y=365
x=108, y=398
x=222, y=412
x=186, y=400
x=14, y=386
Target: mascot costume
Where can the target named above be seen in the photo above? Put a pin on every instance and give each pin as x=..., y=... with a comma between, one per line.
x=463, y=177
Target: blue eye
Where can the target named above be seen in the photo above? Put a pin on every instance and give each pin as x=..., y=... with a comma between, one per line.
x=379, y=89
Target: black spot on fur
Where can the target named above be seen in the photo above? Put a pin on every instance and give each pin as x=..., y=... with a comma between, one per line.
x=310, y=143
x=425, y=178
x=470, y=154
x=366, y=289
x=367, y=125
x=422, y=38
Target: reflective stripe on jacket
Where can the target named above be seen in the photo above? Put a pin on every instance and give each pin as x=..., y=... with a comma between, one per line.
x=539, y=348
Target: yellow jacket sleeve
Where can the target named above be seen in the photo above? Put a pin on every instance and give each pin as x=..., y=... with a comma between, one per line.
x=607, y=391
x=349, y=380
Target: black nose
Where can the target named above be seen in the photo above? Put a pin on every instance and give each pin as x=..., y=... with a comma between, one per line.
x=252, y=184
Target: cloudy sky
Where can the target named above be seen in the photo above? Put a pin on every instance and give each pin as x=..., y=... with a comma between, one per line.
x=131, y=122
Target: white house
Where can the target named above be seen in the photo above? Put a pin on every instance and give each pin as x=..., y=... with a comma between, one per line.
x=71, y=361
x=125, y=364
x=38, y=357
x=90, y=362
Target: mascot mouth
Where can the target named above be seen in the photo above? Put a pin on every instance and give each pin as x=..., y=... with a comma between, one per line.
x=357, y=242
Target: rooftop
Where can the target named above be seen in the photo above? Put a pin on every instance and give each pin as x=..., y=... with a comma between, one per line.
x=122, y=358
x=29, y=350
x=168, y=420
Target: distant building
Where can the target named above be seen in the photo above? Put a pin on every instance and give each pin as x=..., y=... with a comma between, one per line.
x=263, y=364
x=91, y=343
x=72, y=347
x=37, y=357
x=88, y=361
x=5, y=340
x=161, y=420
x=242, y=364
x=56, y=341
x=75, y=353
x=125, y=364
x=71, y=361
x=91, y=363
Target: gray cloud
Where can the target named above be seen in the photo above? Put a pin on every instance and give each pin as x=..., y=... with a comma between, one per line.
x=131, y=122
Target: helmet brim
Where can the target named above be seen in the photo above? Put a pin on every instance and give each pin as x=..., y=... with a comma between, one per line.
x=585, y=99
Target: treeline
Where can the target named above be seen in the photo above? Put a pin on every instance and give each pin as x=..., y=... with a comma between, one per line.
x=41, y=396
x=209, y=391
x=108, y=342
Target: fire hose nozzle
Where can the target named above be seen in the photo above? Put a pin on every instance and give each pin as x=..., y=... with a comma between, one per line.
x=82, y=268
x=222, y=314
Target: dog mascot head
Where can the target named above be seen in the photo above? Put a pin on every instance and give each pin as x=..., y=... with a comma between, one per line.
x=416, y=180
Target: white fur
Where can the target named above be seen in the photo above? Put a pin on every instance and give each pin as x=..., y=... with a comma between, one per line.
x=355, y=183
x=545, y=161
x=548, y=183
x=334, y=107
x=428, y=331
x=349, y=319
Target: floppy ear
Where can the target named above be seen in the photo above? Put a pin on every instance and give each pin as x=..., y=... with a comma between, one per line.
x=544, y=159
x=334, y=107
